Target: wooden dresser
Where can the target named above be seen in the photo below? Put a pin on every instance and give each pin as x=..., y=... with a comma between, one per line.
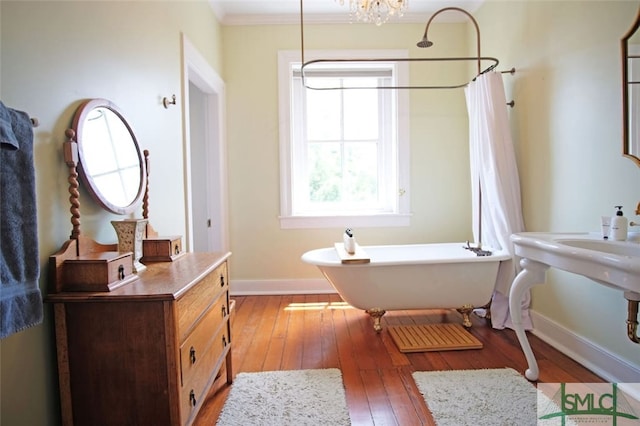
x=145, y=353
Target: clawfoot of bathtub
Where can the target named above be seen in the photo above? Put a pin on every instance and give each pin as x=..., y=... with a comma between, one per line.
x=487, y=309
x=376, y=314
x=466, y=311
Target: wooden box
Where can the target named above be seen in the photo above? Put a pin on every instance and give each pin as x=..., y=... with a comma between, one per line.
x=103, y=271
x=161, y=249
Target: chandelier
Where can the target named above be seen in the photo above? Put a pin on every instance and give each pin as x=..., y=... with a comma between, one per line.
x=377, y=11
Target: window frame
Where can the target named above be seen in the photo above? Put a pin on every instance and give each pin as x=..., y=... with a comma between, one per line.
x=401, y=215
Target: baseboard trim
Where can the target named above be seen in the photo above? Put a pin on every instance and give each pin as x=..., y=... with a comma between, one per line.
x=592, y=356
x=280, y=287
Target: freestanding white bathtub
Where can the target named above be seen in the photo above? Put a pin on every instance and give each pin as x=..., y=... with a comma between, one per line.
x=414, y=276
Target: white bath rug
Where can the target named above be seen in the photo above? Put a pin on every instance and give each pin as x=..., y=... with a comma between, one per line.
x=491, y=397
x=279, y=398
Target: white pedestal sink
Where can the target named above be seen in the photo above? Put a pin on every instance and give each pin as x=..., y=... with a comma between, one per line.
x=612, y=263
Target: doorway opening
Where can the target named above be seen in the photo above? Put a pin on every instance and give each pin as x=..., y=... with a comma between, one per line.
x=205, y=155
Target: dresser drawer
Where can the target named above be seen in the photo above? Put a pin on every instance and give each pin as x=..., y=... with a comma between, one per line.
x=195, y=302
x=198, y=343
x=195, y=389
x=104, y=271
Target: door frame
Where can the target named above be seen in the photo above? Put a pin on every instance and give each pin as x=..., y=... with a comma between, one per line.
x=197, y=71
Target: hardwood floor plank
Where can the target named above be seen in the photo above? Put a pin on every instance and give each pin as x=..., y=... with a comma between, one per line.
x=245, y=325
x=503, y=346
x=320, y=331
x=404, y=407
x=381, y=410
x=362, y=332
x=275, y=352
x=398, y=359
x=292, y=355
x=428, y=361
x=328, y=343
x=359, y=410
x=261, y=340
x=423, y=415
x=312, y=339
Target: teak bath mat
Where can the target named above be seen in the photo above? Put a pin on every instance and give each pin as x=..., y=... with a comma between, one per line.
x=432, y=337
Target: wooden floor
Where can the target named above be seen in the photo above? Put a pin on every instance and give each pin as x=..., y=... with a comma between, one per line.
x=321, y=331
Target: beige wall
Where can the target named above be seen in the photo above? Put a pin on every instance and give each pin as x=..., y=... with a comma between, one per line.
x=53, y=55
x=440, y=194
x=568, y=134
x=566, y=126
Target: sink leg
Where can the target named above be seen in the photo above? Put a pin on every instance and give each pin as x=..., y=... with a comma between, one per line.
x=632, y=321
x=532, y=273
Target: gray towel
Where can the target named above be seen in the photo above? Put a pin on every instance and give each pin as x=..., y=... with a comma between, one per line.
x=7, y=137
x=20, y=297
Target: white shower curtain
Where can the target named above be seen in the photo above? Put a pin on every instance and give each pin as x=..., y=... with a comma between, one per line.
x=494, y=181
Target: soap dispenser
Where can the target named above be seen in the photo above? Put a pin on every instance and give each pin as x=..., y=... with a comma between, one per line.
x=349, y=241
x=619, y=226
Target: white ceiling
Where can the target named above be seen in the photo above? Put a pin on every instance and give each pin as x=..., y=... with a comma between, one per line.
x=248, y=12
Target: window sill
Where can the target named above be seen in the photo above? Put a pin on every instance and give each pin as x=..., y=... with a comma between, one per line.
x=368, y=221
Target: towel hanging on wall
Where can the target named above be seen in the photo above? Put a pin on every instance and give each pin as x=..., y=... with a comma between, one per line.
x=20, y=297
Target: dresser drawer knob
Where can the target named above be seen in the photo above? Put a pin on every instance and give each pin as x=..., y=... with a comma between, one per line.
x=192, y=355
x=224, y=311
x=121, y=272
x=224, y=341
x=221, y=280
x=192, y=398
x=176, y=249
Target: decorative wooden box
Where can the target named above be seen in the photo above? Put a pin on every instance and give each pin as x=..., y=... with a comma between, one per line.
x=161, y=249
x=103, y=271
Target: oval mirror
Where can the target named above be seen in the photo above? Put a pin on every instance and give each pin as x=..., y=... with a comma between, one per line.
x=631, y=92
x=111, y=164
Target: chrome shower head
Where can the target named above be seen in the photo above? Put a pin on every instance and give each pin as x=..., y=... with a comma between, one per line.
x=424, y=43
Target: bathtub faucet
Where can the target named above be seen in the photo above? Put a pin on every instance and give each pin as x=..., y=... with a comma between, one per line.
x=477, y=250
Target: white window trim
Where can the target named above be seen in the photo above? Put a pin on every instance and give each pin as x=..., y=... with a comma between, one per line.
x=402, y=217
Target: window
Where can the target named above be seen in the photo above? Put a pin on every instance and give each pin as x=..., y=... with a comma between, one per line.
x=344, y=153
